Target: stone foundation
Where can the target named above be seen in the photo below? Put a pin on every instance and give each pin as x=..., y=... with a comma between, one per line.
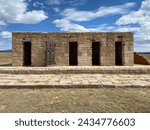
x=133, y=70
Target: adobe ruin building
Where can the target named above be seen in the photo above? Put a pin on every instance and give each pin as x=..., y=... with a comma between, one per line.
x=72, y=49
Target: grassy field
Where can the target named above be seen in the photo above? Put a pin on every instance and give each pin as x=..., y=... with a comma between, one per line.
x=75, y=100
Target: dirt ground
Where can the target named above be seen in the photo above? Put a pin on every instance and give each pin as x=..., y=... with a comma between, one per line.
x=75, y=100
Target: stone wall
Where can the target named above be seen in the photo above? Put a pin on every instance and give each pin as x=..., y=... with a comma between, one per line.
x=61, y=41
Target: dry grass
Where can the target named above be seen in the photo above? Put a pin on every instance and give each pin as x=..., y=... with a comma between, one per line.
x=75, y=100
x=5, y=58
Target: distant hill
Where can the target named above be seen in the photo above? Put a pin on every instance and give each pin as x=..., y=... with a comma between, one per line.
x=143, y=52
x=5, y=50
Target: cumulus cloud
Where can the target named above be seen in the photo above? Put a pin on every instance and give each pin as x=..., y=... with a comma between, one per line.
x=107, y=28
x=16, y=11
x=77, y=15
x=66, y=25
x=72, y=3
x=132, y=18
x=72, y=15
x=142, y=18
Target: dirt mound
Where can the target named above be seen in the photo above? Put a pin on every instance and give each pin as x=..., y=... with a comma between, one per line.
x=139, y=59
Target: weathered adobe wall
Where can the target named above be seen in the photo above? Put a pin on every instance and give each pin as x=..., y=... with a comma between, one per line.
x=38, y=48
x=61, y=41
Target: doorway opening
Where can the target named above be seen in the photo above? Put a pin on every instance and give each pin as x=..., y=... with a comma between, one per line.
x=118, y=53
x=95, y=53
x=73, y=53
x=27, y=54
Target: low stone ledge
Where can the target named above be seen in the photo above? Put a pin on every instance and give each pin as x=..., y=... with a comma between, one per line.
x=74, y=80
x=76, y=70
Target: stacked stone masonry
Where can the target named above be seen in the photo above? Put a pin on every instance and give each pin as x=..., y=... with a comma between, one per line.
x=79, y=49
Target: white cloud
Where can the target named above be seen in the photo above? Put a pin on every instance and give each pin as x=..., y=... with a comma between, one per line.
x=38, y=4
x=66, y=25
x=6, y=35
x=141, y=44
x=126, y=29
x=16, y=11
x=31, y=17
x=141, y=17
x=75, y=15
x=69, y=15
x=132, y=18
x=72, y=3
x=54, y=2
x=76, y=3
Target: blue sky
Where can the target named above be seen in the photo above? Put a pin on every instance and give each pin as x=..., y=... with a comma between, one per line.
x=76, y=16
